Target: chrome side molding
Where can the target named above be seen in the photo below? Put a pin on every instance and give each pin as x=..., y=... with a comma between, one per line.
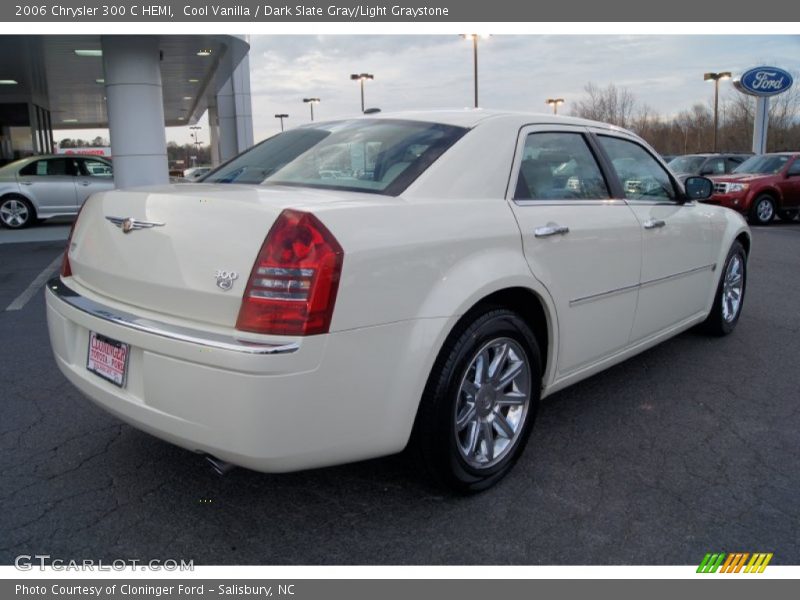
x=175, y=332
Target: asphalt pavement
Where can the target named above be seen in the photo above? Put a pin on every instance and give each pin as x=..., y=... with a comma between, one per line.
x=689, y=448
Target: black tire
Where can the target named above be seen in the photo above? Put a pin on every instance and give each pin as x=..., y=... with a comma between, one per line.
x=763, y=210
x=788, y=215
x=435, y=439
x=12, y=202
x=718, y=323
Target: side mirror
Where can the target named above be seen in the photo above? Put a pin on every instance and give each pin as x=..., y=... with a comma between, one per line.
x=698, y=188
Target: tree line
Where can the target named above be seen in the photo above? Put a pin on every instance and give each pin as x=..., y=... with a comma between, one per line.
x=692, y=130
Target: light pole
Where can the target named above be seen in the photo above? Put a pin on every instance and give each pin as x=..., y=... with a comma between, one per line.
x=311, y=102
x=554, y=102
x=474, y=37
x=195, y=134
x=362, y=77
x=282, y=116
x=715, y=77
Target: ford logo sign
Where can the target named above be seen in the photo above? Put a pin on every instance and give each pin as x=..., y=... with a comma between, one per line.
x=764, y=81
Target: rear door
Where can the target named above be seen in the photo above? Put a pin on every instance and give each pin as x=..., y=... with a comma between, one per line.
x=93, y=176
x=50, y=183
x=581, y=243
x=678, y=238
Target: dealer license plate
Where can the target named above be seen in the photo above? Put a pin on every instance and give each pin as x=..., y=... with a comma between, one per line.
x=108, y=358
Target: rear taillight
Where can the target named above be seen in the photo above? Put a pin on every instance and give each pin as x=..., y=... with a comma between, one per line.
x=292, y=288
x=66, y=268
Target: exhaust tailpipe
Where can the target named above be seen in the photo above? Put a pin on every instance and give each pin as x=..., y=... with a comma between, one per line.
x=219, y=466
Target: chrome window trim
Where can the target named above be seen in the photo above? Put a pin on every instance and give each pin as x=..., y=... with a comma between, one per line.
x=60, y=290
x=569, y=202
x=649, y=282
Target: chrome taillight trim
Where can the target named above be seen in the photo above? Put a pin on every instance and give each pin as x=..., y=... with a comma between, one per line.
x=60, y=290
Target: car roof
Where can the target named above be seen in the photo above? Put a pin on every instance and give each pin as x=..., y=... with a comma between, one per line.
x=471, y=117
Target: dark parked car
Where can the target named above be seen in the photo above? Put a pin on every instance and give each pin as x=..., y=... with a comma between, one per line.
x=706, y=164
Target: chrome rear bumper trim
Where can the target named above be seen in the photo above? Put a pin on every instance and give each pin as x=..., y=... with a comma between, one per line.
x=175, y=332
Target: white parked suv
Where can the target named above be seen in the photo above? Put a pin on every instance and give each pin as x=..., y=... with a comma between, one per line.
x=346, y=287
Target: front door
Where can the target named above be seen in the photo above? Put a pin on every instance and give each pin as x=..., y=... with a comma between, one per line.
x=582, y=244
x=93, y=176
x=678, y=267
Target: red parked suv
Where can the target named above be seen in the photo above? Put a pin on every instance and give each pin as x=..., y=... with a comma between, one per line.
x=762, y=186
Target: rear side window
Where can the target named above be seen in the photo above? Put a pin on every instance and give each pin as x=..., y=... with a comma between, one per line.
x=642, y=176
x=559, y=166
x=51, y=167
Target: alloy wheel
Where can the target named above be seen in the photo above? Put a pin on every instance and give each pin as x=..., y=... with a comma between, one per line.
x=492, y=403
x=732, y=288
x=14, y=213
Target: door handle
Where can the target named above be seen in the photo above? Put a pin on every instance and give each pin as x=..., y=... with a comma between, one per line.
x=26, y=183
x=550, y=229
x=654, y=224
x=84, y=183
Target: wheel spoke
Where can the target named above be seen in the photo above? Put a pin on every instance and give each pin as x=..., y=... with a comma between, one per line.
x=467, y=416
x=499, y=359
x=470, y=388
x=511, y=373
x=487, y=438
x=502, y=424
x=512, y=399
x=481, y=365
x=472, y=439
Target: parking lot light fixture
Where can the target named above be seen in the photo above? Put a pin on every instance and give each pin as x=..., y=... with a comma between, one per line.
x=89, y=52
x=362, y=77
x=474, y=37
x=715, y=77
x=554, y=102
x=282, y=116
x=311, y=102
x=8, y=82
x=204, y=52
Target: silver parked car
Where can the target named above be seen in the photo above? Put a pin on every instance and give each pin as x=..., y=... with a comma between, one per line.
x=42, y=187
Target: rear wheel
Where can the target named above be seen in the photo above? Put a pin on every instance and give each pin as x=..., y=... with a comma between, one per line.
x=788, y=215
x=16, y=212
x=763, y=210
x=730, y=293
x=480, y=402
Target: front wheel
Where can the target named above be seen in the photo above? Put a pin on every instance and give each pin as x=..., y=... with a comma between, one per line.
x=730, y=293
x=480, y=402
x=763, y=210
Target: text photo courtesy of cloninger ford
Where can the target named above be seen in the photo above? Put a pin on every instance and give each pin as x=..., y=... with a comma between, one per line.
x=447, y=299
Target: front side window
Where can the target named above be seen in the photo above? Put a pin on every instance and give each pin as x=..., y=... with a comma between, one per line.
x=95, y=168
x=559, y=166
x=795, y=168
x=380, y=156
x=642, y=176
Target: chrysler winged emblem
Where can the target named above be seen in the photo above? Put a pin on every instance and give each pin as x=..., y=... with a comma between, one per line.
x=225, y=279
x=128, y=224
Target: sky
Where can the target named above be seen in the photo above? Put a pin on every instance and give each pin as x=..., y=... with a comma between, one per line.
x=516, y=72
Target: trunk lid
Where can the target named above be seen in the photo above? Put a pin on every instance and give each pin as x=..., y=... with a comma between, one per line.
x=173, y=268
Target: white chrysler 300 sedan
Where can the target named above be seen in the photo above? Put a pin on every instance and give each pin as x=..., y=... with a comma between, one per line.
x=346, y=288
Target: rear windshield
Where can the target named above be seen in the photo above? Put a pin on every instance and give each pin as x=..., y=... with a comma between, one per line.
x=380, y=156
x=764, y=164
